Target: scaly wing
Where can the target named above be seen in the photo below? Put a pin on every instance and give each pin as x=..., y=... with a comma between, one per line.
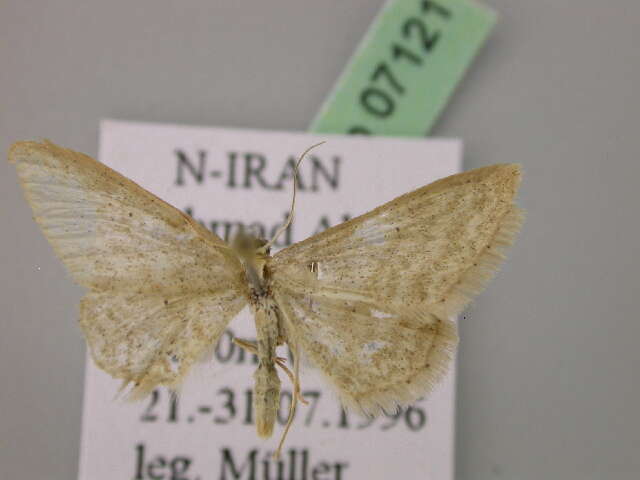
x=146, y=263
x=110, y=233
x=154, y=339
x=369, y=301
x=375, y=356
x=432, y=248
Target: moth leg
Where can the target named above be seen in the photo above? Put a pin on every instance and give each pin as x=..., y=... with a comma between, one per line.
x=251, y=347
x=294, y=380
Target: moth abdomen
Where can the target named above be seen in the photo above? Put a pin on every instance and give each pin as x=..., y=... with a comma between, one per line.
x=266, y=398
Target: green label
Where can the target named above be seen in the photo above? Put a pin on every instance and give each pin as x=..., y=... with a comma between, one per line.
x=408, y=64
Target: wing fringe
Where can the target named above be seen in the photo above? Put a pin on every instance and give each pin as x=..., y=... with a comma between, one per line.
x=406, y=392
x=484, y=268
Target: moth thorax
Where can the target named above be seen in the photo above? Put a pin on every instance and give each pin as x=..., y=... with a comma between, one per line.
x=253, y=253
x=266, y=398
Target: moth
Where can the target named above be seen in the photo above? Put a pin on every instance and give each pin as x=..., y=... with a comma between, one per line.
x=369, y=301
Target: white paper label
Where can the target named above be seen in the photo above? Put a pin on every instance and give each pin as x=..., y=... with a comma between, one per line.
x=222, y=177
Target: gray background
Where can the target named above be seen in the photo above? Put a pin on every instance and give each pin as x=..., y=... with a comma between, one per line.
x=549, y=359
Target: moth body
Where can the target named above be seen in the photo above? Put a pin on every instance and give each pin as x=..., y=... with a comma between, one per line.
x=266, y=391
x=254, y=256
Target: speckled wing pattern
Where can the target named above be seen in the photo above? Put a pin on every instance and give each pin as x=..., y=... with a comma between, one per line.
x=161, y=287
x=370, y=301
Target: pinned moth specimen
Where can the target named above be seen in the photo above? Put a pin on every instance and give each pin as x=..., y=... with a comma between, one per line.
x=369, y=301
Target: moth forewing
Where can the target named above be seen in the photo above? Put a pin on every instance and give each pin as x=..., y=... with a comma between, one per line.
x=417, y=249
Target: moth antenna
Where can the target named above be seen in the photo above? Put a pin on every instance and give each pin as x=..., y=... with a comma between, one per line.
x=293, y=200
x=297, y=397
